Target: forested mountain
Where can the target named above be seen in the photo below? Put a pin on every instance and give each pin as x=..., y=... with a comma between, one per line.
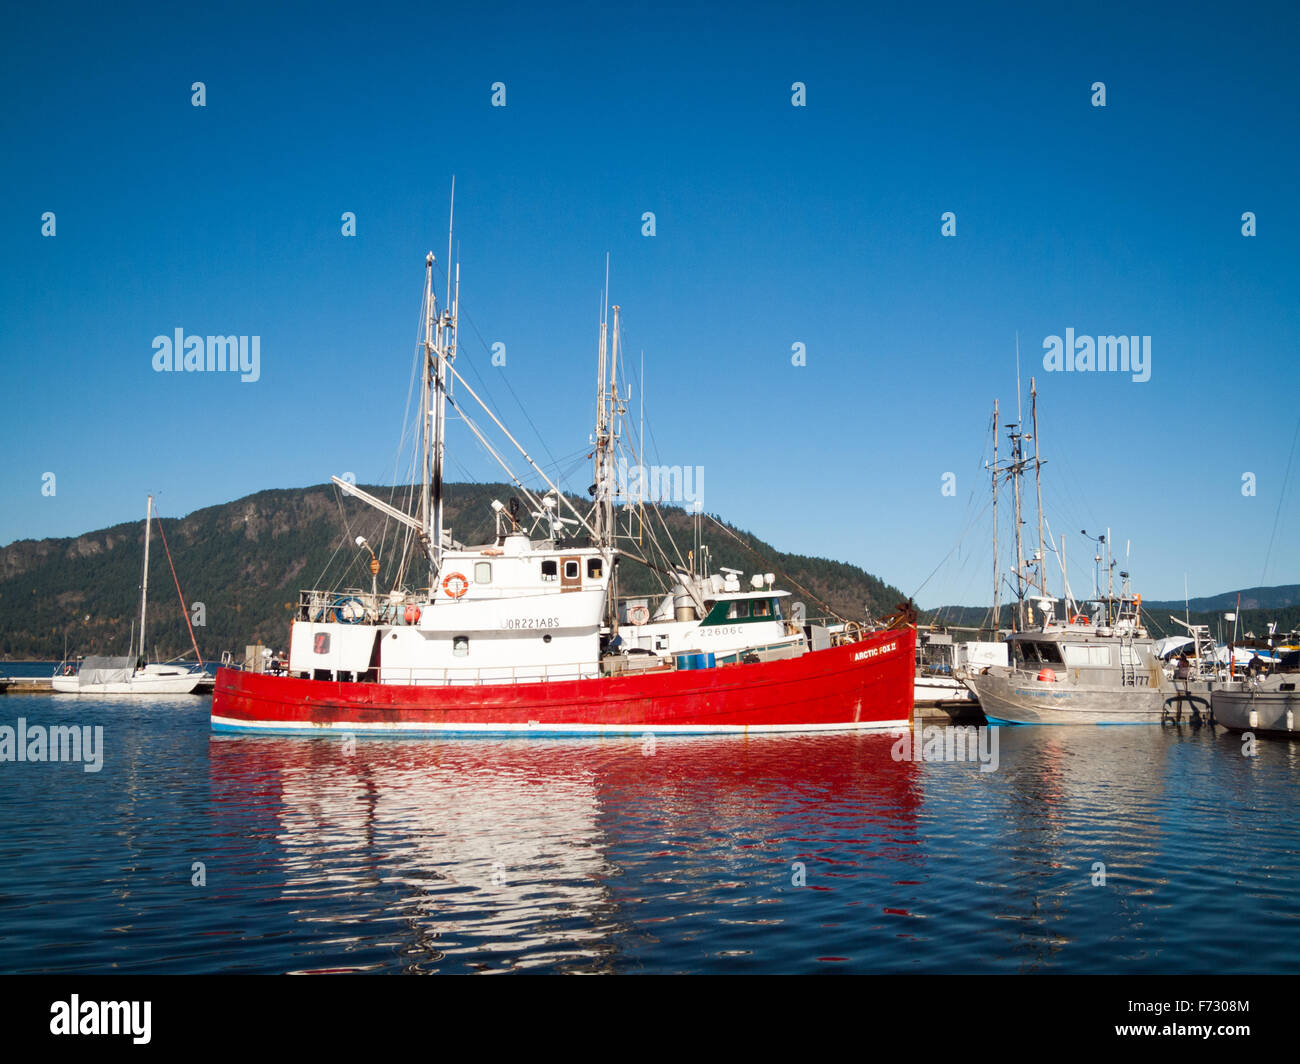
x=246, y=560
x=1251, y=622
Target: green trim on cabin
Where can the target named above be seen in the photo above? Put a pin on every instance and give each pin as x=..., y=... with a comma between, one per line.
x=718, y=614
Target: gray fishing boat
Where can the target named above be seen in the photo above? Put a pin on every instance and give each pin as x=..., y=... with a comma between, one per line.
x=1098, y=664
x=1097, y=668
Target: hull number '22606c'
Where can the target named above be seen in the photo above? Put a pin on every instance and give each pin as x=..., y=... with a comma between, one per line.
x=531, y=622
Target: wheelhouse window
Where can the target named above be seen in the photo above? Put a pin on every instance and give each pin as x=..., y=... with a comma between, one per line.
x=550, y=570
x=482, y=572
x=1033, y=653
x=460, y=646
x=594, y=568
x=1083, y=656
x=762, y=608
x=738, y=610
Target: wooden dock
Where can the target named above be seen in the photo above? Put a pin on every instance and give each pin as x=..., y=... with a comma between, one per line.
x=25, y=685
x=42, y=685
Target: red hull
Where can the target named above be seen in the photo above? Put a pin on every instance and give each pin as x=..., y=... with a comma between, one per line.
x=867, y=684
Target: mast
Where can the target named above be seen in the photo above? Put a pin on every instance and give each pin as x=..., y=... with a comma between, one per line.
x=439, y=354
x=1038, y=482
x=1017, y=468
x=607, y=410
x=426, y=414
x=1110, y=578
x=598, y=465
x=144, y=582
x=446, y=355
x=611, y=434
x=1068, y=605
x=997, y=605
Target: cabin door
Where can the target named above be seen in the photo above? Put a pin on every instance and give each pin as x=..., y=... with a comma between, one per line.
x=571, y=574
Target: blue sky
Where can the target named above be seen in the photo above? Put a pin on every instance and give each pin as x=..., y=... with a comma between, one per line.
x=775, y=224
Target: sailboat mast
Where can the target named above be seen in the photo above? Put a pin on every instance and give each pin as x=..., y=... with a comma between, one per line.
x=144, y=582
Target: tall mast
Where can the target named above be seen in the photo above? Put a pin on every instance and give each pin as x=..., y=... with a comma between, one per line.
x=1038, y=482
x=447, y=335
x=997, y=605
x=611, y=433
x=606, y=411
x=1017, y=468
x=426, y=415
x=144, y=582
x=446, y=356
x=439, y=354
x=1110, y=578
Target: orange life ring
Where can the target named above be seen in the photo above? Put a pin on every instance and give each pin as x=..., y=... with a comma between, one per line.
x=638, y=615
x=1078, y=618
x=462, y=584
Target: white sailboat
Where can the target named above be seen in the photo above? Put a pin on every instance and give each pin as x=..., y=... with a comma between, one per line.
x=129, y=675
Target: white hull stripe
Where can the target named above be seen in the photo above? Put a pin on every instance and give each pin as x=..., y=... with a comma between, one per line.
x=416, y=728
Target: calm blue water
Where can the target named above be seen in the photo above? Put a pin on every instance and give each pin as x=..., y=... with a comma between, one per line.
x=548, y=855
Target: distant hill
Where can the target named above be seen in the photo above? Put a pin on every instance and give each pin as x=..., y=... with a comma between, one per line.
x=246, y=560
x=1252, y=598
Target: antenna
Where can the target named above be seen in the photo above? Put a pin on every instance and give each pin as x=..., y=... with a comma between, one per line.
x=451, y=215
x=1019, y=410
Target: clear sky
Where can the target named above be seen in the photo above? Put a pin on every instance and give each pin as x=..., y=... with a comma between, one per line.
x=775, y=224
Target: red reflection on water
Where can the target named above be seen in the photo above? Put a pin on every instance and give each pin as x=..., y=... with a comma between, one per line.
x=697, y=783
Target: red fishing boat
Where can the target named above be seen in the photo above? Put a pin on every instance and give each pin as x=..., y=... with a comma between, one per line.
x=527, y=634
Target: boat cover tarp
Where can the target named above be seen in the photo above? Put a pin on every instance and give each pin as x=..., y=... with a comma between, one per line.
x=1171, y=645
x=95, y=670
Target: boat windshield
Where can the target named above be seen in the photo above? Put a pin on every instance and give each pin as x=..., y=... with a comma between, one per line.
x=1038, y=653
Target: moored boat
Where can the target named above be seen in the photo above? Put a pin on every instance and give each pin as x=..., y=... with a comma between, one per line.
x=526, y=634
x=1268, y=706
x=860, y=685
x=1098, y=664
x=127, y=675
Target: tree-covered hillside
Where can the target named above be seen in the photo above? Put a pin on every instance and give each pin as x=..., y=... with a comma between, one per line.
x=246, y=560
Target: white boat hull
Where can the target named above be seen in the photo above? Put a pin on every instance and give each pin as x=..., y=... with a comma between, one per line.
x=940, y=690
x=1276, y=711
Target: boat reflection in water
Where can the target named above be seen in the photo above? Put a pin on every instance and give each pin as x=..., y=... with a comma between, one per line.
x=502, y=854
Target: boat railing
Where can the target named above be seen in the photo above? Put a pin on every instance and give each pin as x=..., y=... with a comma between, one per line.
x=421, y=676
x=354, y=605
